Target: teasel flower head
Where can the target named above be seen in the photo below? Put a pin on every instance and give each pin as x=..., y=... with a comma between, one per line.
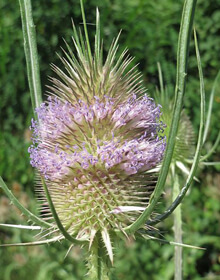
x=96, y=142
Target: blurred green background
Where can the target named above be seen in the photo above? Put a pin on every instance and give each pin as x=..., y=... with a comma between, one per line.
x=150, y=31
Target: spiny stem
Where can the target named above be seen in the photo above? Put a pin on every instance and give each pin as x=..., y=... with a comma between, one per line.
x=97, y=261
x=31, y=54
x=177, y=228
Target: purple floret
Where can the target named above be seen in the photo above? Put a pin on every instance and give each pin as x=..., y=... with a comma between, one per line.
x=127, y=140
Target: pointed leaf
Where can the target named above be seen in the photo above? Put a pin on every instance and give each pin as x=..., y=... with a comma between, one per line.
x=21, y=226
x=107, y=242
x=172, y=242
x=34, y=243
x=56, y=218
x=24, y=210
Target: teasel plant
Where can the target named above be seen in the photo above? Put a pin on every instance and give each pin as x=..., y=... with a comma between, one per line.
x=99, y=146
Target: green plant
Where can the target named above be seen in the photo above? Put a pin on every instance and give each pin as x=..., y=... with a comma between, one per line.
x=194, y=102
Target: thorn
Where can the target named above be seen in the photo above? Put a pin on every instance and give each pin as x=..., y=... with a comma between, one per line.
x=93, y=233
x=107, y=241
x=68, y=251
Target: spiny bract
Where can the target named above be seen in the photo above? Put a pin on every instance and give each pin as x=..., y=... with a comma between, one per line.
x=96, y=141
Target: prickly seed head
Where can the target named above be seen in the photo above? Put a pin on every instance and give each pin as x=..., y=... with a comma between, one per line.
x=95, y=141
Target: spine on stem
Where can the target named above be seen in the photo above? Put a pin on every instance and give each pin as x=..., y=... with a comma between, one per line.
x=31, y=54
x=97, y=262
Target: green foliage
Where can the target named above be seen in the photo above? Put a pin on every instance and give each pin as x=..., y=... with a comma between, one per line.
x=150, y=31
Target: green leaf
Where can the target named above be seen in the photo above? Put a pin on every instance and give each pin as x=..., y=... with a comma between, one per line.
x=34, y=243
x=56, y=218
x=24, y=210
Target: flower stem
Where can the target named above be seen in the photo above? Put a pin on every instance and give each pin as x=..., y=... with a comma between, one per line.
x=177, y=228
x=31, y=54
x=97, y=261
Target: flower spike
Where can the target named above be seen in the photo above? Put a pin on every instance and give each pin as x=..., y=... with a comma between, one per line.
x=96, y=142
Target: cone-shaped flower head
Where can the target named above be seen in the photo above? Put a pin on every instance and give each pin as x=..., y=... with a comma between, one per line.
x=96, y=141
